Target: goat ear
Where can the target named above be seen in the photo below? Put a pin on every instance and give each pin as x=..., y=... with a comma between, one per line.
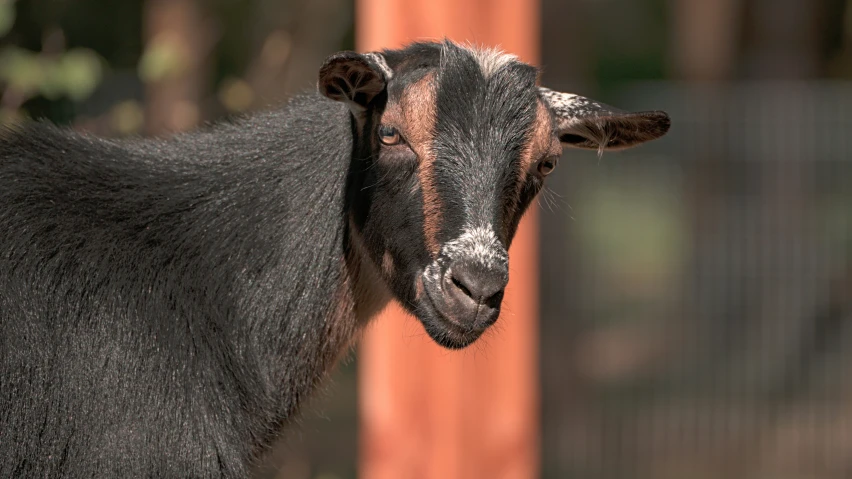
x=585, y=123
x=354, y=78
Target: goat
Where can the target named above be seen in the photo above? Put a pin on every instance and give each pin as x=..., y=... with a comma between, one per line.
x=167, y=304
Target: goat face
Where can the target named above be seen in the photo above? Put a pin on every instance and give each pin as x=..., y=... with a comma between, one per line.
x=452, y=144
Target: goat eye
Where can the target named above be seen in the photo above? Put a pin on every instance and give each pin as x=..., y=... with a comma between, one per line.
x=546, y=166
x=389, y=135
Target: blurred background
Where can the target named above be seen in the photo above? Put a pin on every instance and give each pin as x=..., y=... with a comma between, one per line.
x=695, y=293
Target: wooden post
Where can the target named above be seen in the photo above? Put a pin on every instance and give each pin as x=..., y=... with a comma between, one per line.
x=427, y=412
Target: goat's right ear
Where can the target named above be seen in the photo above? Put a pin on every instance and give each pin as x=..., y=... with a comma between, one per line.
x=354, y=78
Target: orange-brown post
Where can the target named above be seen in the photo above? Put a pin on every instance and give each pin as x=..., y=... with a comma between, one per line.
x=427, y=412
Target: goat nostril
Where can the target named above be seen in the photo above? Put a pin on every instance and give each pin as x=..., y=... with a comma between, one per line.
x=494, y=299
x=458, y=284
x=482, y=286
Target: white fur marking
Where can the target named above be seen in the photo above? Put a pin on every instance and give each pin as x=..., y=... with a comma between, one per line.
x=578, y=114
x=490, y=60
x=564, y=103
x=478, y=244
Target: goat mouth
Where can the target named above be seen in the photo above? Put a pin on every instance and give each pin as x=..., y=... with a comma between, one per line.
x=441, y=327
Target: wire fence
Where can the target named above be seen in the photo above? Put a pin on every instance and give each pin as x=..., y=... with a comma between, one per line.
x=696, y=291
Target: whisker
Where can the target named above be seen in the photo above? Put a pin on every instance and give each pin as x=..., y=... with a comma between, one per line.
x=378, y=182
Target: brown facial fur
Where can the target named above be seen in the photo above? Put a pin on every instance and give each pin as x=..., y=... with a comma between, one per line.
x=414, y=116
x=540, y=142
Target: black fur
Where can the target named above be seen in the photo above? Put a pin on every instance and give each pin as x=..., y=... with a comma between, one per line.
x=477, y=165
x=165, y=306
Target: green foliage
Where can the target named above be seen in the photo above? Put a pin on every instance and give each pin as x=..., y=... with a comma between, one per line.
x=57, y=74
x=20, y=69
x=7, y=16
x=164, y=58
x=635, y=44
x=74, y=73
x=637, y=225
x=81, y=71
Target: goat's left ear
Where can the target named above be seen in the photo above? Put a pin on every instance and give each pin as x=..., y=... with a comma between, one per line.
x=585, y=123
x=354, y=78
